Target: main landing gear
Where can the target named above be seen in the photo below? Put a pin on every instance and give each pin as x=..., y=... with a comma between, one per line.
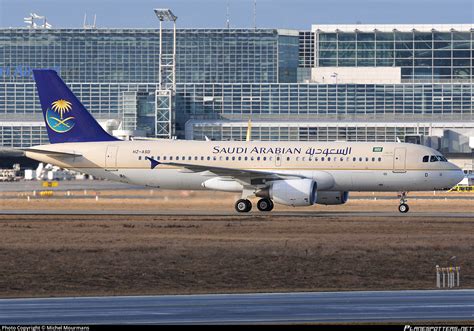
x=403, y=207
x=244, y=205
x=265, y=204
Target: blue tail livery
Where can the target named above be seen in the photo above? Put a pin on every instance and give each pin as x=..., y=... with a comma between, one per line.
x=67, y=120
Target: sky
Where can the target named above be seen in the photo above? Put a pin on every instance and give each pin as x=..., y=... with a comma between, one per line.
x=290, y=14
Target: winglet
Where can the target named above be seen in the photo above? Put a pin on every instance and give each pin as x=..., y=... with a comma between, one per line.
x=154, y=163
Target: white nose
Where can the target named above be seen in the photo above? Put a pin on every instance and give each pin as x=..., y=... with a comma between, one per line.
x=457, y=175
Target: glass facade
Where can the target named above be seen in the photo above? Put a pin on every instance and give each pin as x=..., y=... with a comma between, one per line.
x=363, y=102
x=132, y=55
x=229, y=75
x=422, y=56
x=304, y=131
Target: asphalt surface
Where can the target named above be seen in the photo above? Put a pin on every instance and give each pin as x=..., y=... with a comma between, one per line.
x=232, y=213
x=310, y=307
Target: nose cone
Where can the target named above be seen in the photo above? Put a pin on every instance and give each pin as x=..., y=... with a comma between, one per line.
x=457, y=175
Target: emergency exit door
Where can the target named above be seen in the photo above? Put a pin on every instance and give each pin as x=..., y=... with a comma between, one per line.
x=399, y=159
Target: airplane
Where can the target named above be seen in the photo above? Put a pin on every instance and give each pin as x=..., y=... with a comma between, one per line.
x=290, y=173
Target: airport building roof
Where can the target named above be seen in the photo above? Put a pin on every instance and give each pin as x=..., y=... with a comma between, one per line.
x=391, y=27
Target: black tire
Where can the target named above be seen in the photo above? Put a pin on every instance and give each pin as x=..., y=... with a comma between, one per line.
x=403, y=208
x=265, y=204
x=243, y=206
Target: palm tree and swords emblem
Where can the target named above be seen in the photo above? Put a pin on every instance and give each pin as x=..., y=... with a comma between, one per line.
x=59, y=123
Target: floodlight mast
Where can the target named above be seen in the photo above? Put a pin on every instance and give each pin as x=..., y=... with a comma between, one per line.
x=164, y=14
x=164, y=95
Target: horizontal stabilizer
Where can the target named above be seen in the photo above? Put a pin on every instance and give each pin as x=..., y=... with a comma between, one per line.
x=51, y=153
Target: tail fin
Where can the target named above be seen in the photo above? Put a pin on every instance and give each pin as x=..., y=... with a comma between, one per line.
x=67, y=120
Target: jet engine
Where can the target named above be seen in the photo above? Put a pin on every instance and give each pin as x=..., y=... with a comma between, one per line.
x=332, y=197
x=291, y=192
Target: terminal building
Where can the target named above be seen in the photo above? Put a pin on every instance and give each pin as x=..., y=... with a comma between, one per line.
x=410, y=83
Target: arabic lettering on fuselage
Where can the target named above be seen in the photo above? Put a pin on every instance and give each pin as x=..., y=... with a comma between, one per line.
x=282, y=150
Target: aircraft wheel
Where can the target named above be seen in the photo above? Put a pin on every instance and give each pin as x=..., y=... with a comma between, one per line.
x=403, y=208
x=265, y=204
x=243, y=206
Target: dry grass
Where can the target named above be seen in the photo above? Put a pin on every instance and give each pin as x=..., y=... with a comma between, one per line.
x=98, y=255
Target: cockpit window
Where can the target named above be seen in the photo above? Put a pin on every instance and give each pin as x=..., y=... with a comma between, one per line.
x=442, y=158
x=426, y=158
x=433, y=158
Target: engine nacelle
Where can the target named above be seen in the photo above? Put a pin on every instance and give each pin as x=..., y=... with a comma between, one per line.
x=292, y=192
x=332, y=198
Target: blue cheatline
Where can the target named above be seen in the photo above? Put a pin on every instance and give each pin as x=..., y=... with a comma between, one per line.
x=67, y=120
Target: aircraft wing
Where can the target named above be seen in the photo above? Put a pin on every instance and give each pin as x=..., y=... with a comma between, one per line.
x=246, y=177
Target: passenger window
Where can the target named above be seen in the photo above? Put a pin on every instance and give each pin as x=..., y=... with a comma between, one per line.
x=158, y=158
x=322, y=159
x=233, y=158
x=139, y=157
x=380, y=159
x=373, y=159
x=240, y=158
x=264, y=158
x=329, y=159
x=433, y=158
x=288, y=158
x=227, y=158
x=366, y=159
x=354, y=159
x=202, y=158
x=195, y=158
x=258, y=158
x=426, y=158
x=208, y=158
x=360, y=159
x=246, y=158
x=342, y=159
x=164, y=158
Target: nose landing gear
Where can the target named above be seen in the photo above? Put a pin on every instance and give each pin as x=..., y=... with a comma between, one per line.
x=403, y=207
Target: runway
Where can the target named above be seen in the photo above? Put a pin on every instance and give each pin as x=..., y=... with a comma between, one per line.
x=309, y=307
x=231, y=213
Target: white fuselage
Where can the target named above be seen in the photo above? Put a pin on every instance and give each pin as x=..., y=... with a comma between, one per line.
x=334, y=166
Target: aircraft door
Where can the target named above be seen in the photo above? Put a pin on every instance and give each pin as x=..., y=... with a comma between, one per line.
x=111, y=158
x=399, y=159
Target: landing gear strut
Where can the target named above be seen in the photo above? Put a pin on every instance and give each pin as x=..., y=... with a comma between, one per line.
x=265, y=204
x=243, y=206
x=403, y=207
